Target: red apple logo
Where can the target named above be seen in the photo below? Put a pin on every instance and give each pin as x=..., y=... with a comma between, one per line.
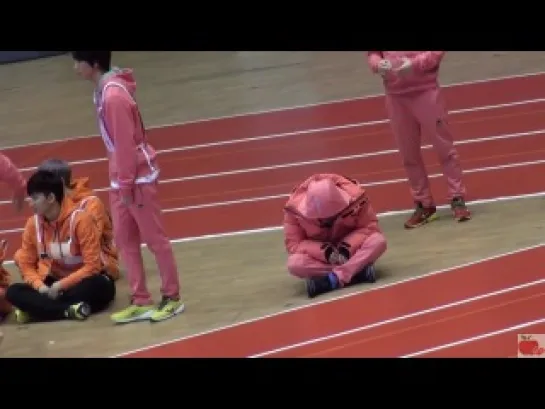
x=529, y=346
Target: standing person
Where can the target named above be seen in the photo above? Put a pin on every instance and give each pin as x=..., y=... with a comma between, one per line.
x=133, y=177
x=415, y=106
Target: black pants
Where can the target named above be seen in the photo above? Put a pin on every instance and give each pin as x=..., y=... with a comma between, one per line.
x=98, y=291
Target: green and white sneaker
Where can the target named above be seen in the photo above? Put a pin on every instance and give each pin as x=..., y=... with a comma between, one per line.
x=133, y=313
x=166, y=309
x=22, y=317
x=80, y=311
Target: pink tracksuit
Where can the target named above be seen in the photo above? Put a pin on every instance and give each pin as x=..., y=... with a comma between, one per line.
x=133, y=176
x=353, y=224
x=416, y=107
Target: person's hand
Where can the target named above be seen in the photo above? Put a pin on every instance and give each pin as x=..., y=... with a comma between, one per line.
x=384, y=66
x=405, y=67
x=337, y=258
x=43, y=289
x=344, y=254
x=341, y=259
x=54, y=290
x=334, y=257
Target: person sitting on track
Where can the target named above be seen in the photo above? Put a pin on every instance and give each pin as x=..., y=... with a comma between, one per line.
x=332, y=234
x=78, y=190
x=5, y=280
x=73, y=283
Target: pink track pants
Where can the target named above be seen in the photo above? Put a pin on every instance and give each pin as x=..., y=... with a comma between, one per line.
x=304, y=266
x=424, y=113
x=141, y=222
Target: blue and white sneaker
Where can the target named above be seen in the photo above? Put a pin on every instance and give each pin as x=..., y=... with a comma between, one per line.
x=367, y=275
x=321, y=285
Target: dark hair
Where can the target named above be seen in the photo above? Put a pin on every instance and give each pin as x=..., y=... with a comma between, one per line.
x=60, y=168
x=46, y=183
x=101, y=58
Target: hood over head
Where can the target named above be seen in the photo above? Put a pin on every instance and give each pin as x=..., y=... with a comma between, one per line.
x=323, y=199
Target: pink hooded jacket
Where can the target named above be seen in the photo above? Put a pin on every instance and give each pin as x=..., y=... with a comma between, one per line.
x=131, y=159
x=424, y=75
x=340, y=203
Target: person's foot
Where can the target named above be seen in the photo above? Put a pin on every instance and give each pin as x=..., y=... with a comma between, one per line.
x=133, y=313
x=421, y=216
x=368, y=274
x=460, y=212
x=22, y=317
x=166, y=309
x=80, y=311
x=321, y=285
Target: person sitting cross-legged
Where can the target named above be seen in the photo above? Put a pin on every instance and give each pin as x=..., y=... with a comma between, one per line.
x=71, y=282
x=80, y=192
x=331, y=234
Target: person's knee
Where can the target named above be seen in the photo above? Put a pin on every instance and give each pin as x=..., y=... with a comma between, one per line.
x=374, y=247
x=105, y=285
x=14, y=291
x=95, y=283
x=378, y=245
x=381, y=244
x=158, y=243
x=105, y=292
x=123, y=241
x=97, y=289
x=110, y=289
x=296, y=265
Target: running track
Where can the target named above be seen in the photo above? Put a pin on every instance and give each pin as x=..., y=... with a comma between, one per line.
x=229, y=175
